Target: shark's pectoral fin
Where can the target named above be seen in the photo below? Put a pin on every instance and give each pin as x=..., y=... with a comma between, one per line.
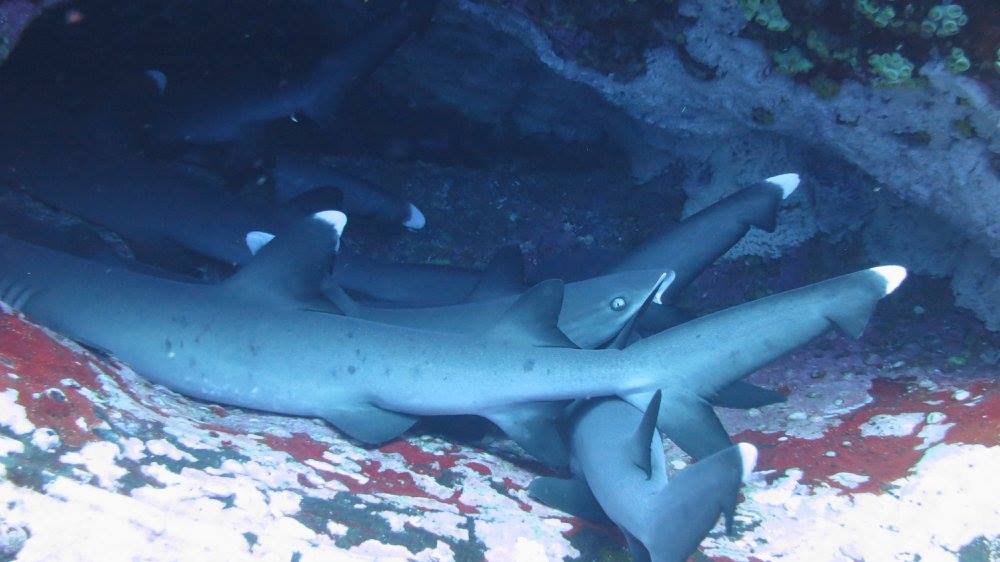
x=534, y=427
x=636, y=549
x=533, y=318
x=744, y=395
x=370, y=424
x=503, y=276
x=642, y=442
x=569, y=495
x=688, y=421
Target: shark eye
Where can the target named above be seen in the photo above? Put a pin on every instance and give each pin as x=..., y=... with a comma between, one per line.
x=618, y=304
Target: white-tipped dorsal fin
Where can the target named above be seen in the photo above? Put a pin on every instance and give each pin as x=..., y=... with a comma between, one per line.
x=665, y=281
x=257, y=239
x=415, y=220
x=748, y=454
x=337, y=220
x=893, y=275
x=787, y=182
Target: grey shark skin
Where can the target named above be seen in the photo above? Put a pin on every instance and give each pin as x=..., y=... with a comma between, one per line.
x=686, y=248
x=318, y=95
x=593, y=311
x=295, y=175
x=175, y=207
x=425, y=285
x=248, y=343
x=744, y=338
x=618, y=455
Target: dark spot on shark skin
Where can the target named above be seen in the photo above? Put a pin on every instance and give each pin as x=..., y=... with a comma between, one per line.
x=167, y=345
x=352, y=369
x=253, y=349
x=529, y=365
x=350, y=335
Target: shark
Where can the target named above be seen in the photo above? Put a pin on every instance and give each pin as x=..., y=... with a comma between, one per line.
x=319, y=95
x=255, y=341
x=297, y=174
x=180, y=209
x=620, y=475
x=593, y=311
x=686, y=248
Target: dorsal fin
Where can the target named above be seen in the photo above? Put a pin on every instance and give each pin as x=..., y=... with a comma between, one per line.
x=503, y=276
x=642, y=441
x=533, y=318
x=291, y=268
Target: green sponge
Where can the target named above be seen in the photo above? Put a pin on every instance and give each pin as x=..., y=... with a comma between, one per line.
x=766, y=13
x=943, y=20
x=891, y=69
x=957, y=61
x=792, y=61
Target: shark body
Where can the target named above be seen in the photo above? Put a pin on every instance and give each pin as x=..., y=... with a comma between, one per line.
x=618, y=458
x=319, y=95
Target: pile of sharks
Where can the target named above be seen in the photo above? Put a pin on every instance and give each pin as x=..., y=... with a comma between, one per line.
x=587, y=375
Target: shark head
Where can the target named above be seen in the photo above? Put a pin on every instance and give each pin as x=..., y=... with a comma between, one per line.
x=597, y=309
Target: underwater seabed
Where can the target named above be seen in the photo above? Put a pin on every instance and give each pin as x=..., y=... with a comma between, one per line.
x=885, y=450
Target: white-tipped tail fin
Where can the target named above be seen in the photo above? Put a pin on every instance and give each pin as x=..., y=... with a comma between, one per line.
x=893, y=275
x=665, y=280
x=415, y=220
x=257, y=239
x=787, y=182
x=748, y=454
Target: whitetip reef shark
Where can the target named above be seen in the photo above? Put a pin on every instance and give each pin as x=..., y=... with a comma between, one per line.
x=251, y=342
x=686, y=248
x=621, y=474
x=319, y=95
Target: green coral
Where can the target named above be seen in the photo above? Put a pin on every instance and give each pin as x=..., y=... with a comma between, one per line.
x=996, y=63
x=880, y=15
x=891, y=69
x=957, y=61
x=792, y=61
x=766, y=13
x=943, y=20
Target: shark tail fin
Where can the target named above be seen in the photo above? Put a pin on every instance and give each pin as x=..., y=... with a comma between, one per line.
x=690, y=505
